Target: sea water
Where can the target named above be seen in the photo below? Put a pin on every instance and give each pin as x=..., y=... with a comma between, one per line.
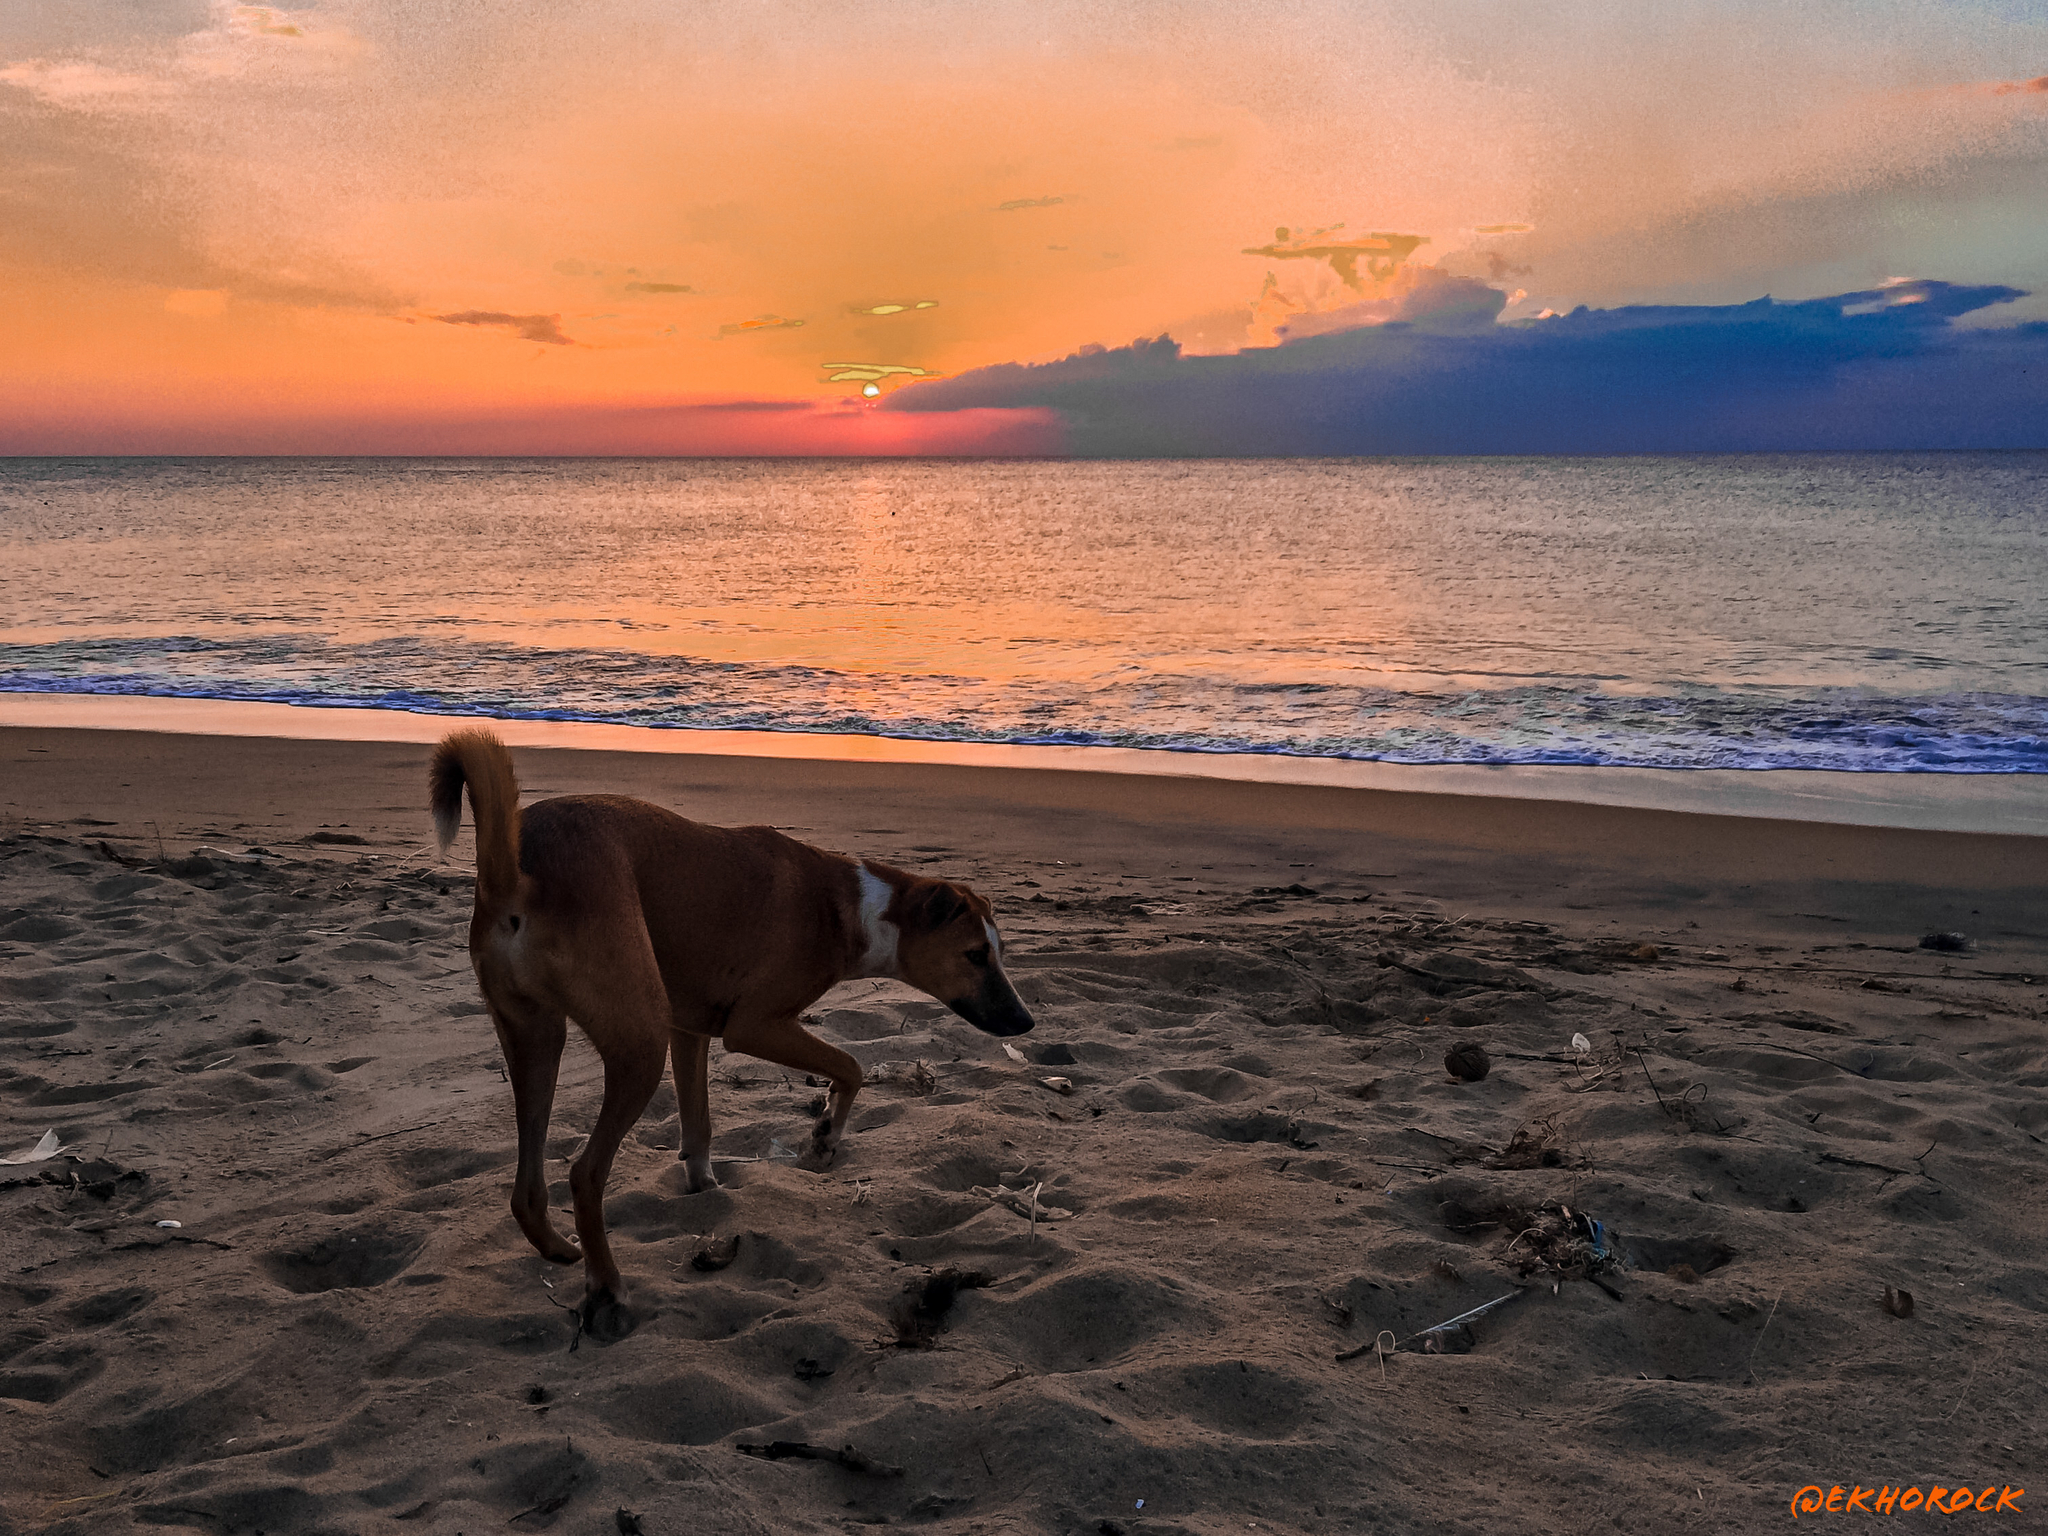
x=1850, y=612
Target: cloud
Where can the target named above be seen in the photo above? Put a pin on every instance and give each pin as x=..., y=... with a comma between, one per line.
x=894, y=309
x=547, y=328
x=264, y=21
x=1390, y=288
x=858, y=371
x=759, y=323
x=1881, y=368
x=2038, y=86
x=871, y=375
x=1382, y=252
x=232, y=42
x=1412, y=295
x=78, y=83
x=1016, y=203
x=655, y=287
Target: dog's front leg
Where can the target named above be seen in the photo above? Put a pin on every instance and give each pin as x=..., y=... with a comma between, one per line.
x=690, y=1055
x=788, y=1044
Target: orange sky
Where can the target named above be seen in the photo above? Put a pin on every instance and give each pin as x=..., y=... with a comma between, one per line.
x=380, y=226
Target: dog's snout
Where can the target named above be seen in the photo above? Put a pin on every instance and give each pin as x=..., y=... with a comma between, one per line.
x=994, y=1008
x=1017, y=1021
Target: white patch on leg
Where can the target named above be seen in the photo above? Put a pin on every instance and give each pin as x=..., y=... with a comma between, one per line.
x=879, y=957
x=697, y=1173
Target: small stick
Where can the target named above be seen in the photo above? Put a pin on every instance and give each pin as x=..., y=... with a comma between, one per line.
x=846, y=1456
x=385, y=1136
x=168, y=1239
x=1034, y=1208
x=1809, y=1055
x=1462, y=1317
x=89, y=1498
x=1465, y=1317
x=1651, y=1081
x=1761, y=1332
x=1857, y=1162
x=575, y=1339
x=1966, y=1380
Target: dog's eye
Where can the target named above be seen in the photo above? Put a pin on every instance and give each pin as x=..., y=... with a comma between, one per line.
x=978, y=956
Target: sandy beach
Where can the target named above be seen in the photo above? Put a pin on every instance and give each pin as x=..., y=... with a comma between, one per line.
x=233, y=983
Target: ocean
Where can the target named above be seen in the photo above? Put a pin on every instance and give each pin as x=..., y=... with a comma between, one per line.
x=1865, y=613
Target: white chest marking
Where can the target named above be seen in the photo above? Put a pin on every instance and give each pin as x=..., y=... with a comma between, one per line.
x=879, y=957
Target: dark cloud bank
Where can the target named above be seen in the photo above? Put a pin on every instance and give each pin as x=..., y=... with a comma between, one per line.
x=1884, y=369
x=545, y=328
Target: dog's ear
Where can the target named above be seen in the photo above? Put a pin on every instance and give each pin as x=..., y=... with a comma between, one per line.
x=936, y=904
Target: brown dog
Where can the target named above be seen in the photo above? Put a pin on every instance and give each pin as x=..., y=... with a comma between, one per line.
x=657, y=935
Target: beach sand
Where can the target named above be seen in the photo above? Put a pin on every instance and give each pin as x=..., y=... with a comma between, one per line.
x=1785, y=1106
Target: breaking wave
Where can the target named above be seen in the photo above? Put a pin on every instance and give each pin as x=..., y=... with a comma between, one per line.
x=1549, y=720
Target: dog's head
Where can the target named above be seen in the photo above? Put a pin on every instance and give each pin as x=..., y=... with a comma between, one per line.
x=948, y=946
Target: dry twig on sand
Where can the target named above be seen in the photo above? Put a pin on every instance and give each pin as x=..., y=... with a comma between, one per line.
x=802, y=1450
x=1760, y=1335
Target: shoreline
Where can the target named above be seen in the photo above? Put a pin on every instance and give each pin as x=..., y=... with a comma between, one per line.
x=2000, y=804
x=167, y=792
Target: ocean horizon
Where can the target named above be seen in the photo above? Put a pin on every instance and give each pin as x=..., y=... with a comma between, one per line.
x=1847, y=613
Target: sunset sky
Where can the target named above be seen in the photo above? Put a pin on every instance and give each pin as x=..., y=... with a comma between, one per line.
x=410, y=226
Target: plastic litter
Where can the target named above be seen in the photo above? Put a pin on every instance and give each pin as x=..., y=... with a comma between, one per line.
x=1463, y=1317
x=42, y=1151
x=171, y=1226
x=1057, y=1084
x=1014, y=1054
x=777, y=1152
x=1597, y=1237
x=1582, y=1045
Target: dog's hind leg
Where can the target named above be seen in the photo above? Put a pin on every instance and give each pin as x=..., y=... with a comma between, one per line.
x=531, y=1036
x=788, y=1044
x=628, y=1023
x=690, y=1055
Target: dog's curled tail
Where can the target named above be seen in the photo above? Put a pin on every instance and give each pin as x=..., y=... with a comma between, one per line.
x=477, y=758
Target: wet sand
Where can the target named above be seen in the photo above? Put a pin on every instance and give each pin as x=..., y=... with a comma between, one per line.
x=1784, y=1106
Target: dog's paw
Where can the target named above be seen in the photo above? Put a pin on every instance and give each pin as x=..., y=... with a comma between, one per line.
x=697, y=1174
x=606, y=1318
x=557, y=1249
